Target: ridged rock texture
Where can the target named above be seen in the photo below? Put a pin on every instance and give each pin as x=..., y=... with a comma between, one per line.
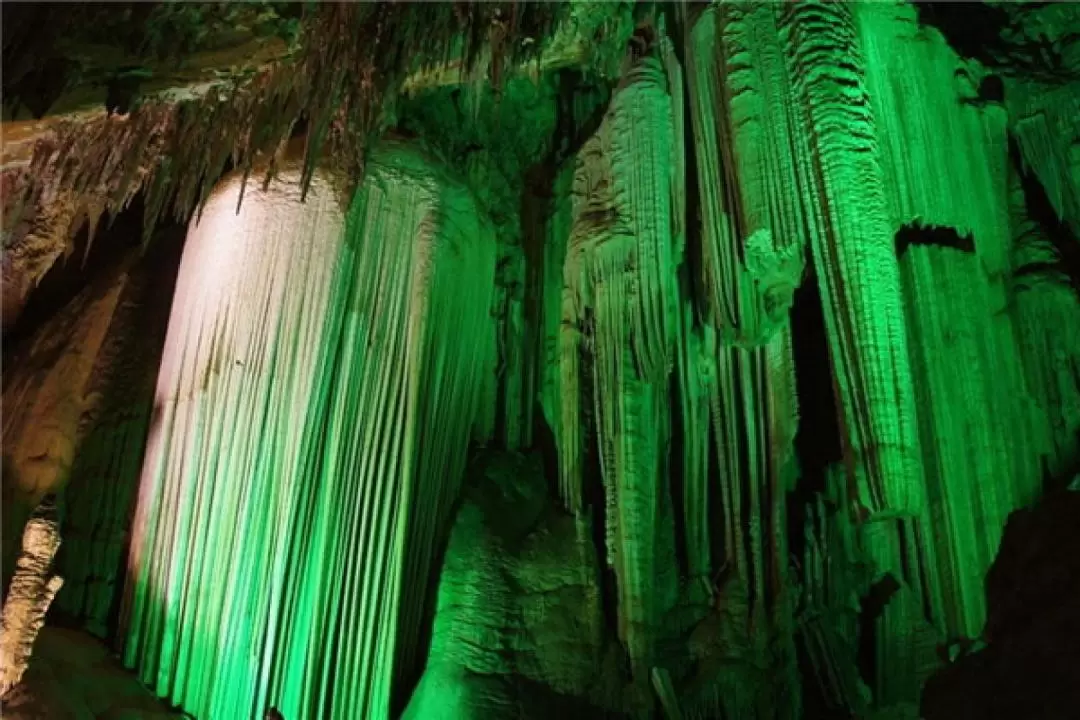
x=32, y=589
x=319, y=381
x=690, y=369
x=518, y=631
x=77, y=396
x=946, y=168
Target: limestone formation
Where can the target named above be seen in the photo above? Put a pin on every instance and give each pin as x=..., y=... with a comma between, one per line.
x=621, y=359
x=31, y=591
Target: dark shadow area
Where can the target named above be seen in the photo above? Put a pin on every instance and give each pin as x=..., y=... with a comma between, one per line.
x=113, y=238
x=1058, y=239
x=934, y=235
x=1030, y=667
x=988, y=32
x=818, y=446
x=818, y=442
x=68, y=276
x=871, y=606
x=595, y=500
x=676, y=472
x=972, y=29
x=99, y=499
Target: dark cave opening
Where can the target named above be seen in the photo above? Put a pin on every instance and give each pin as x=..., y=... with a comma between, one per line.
x=595, y=501
x=871, y=606
x=717, y=544
x=973, y=29
x=818, y=446
x=1058, y=237
x=818, y=442
x=676, y=471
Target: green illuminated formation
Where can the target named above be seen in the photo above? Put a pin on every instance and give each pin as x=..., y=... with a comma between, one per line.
x=645, y=360
x=945, y=164
x=619, y=307
x=284, y=314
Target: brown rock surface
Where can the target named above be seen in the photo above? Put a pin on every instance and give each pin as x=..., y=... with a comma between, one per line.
x=73, y=676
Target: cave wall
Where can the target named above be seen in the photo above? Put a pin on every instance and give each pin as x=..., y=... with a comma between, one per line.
x=78, y=398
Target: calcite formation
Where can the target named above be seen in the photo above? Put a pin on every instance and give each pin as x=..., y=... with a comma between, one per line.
x=607, y=359
x=32, y=589
x=308, y=304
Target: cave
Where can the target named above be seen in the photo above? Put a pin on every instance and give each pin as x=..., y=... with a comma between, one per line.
x=484, y=360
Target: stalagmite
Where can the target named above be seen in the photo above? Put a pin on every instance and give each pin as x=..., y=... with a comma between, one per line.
x=32, y=590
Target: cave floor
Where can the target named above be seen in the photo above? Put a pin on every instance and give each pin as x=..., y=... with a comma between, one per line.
x=74, y=676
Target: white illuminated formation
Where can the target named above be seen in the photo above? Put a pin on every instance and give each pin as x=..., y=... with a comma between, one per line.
x=32, y=589
x=319, y=381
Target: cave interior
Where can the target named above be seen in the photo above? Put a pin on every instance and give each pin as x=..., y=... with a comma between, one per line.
x=760, y=399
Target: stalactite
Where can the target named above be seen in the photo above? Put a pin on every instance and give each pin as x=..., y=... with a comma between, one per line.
x=641, y=147
x=945, y=163
x=516, y=429
x=319, y=382
x=749, y=150
x=752, y=243
x=904, y=639
x=855, y=259
x=1043, y=120
x=754, y=413
x=556, y=228
x=619, y=294
x=861, y=287
x=696, y=370
x=29, y=595
x=1047, y=316
x=351, y=57
x=223, y=471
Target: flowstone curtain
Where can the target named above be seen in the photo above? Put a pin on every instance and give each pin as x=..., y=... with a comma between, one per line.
x=945, y=164
x=318, y=384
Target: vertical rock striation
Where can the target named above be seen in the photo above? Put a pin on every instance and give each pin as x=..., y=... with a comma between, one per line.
x=318, y=385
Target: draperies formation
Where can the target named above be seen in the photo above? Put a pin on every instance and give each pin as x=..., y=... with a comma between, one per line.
x=314, y=405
